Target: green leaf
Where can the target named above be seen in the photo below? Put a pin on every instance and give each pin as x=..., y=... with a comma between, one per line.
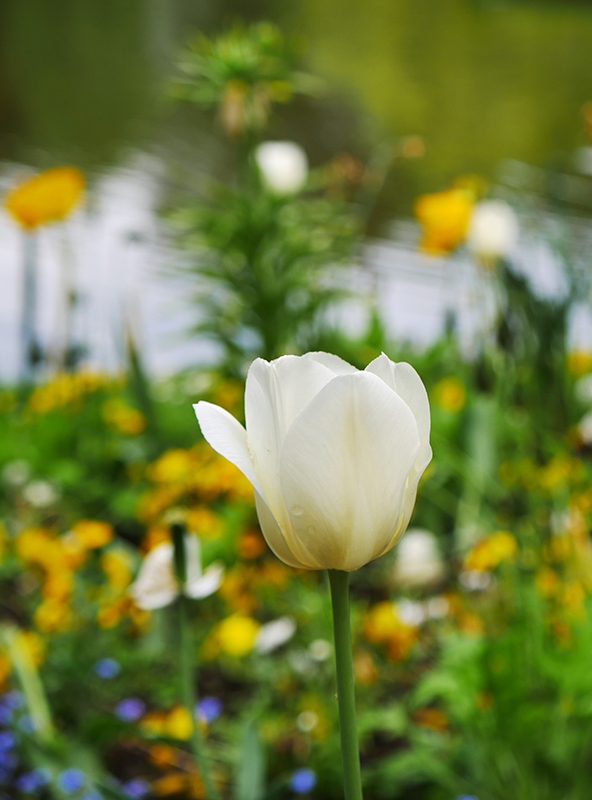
x=250, y=774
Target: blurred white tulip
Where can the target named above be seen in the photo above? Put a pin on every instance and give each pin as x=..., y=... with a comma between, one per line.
x=419, y=562
x=493, y=230
x=157, y=586
x=334, y=454
x=283, y=166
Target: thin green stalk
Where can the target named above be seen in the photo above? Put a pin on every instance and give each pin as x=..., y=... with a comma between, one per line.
x=186, y=666
x=350, y=753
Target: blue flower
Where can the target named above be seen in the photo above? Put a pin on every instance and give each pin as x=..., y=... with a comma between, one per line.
x=467, y=797
x=8, y=760
x=303, y=780
x=136, y=788
x=130, y=709
x=208, y=709
x=29, y=782
x=7, y=741
x=5, y=715
x=71, y=780
x=92, y=796
x=13, y=699
x=107, y=668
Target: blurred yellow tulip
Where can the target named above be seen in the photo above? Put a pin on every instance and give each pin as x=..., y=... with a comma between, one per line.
x=47, y=197
x=444, y=217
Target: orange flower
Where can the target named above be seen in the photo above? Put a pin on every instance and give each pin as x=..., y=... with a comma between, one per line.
x=47, y=197
x=431, y=718
x=444, y=217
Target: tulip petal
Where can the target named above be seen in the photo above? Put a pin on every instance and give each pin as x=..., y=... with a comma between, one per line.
x=275, y=394
x=227, y=437
x=344, y=466
x=337, y=365
x=206, y=584
x=276, y=539
x=405, y=381
x=156, y=585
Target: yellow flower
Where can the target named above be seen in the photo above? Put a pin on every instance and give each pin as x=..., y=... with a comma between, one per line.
x=444, y=217
x=178, y=724
x=93, y=533
x=47, y=197
x=53, y=616
x=579, y=362
x=117, y=566
x=450, y=394
x=123, y=417
x=490, y=552
x=34, y=644
x=58, y=586
x=174, y=466
x=236, y=635
x=383, y=626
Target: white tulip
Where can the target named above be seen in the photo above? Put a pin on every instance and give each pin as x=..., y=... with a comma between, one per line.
x=157, y=586
x=419, y=562
x=274, y=634
x=283, y=166
x=334, y=454
x=493, y=230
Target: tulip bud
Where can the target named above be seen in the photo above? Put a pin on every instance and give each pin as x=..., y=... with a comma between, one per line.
x=283, y=166
x=334, y=454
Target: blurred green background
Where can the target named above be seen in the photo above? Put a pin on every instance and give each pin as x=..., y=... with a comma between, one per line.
x=479, y=81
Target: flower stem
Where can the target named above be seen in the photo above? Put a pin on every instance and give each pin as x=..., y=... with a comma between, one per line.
x=189, y=700
x=186, y=667
x=350, y=753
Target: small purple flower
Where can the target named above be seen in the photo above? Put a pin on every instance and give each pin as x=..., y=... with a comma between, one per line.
x=5, y=715
x=303, y=780
x=130, y=709
x=7, y=741
x=208, y=709
x=107, y=668
x=136, y=788
x=92, y=796
x=71, y=780
x=467, y=797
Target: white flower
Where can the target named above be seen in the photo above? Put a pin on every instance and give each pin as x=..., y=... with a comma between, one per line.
x=283, y=166
x=156, y=585
x=40, y=494
x=320, y=649
x=493, y=230
x=16, y=473
x=585, y=428
x=419, y=562
x=334, y=454
x=410, y=612
x=274, y=634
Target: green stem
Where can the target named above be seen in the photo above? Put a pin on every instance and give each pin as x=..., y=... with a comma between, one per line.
x=186, y=667
x=350, y=753
x=190, y=699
